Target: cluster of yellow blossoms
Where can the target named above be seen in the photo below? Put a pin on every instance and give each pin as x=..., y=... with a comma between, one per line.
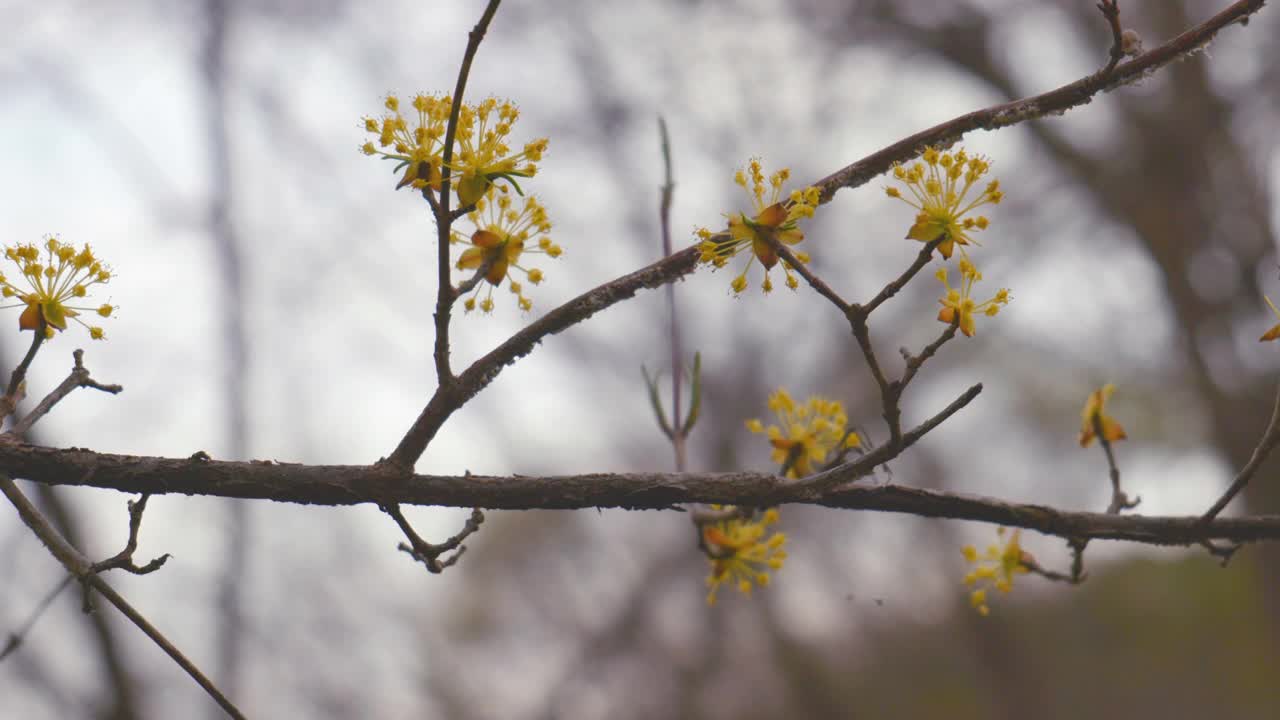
x=52, y=279
x=805, y=435
x=742, y=551
x=997, y=567
x=771, y=222
x=480, y=157
x=958, y=306
x=501, y=235
x=944, y=191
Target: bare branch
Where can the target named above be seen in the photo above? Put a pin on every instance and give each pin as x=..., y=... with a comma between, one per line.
x=427, y=553
x=1051, y=103
x=809, y=276
x=1111, y=12
x=1119, y=501
x=123, y=560
x=79, y=566
x=483, y=371
x=1270, y=438
x=17, y=637
x=78, y=378
x=9, y=403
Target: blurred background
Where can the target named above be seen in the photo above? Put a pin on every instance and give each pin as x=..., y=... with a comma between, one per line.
x=275, y=298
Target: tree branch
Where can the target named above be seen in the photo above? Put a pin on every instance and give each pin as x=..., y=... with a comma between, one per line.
x=353, y=485
x=1054, y=102
x=450, y=396
x=79, y=566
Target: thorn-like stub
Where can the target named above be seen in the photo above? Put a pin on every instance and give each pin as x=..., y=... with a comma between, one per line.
x=1130, y=43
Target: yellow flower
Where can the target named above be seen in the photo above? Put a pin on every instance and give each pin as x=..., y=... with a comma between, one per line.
x=1095, y=407
x=64, y=274
x=480, y=156
x=770, y=220
x=996, y=568
x=941, y=188
x=807, y=434
x=959, y=304
x=502, y=236
x=418, y=148
x=483, y=155
x=741, y=554
x=1274, y=332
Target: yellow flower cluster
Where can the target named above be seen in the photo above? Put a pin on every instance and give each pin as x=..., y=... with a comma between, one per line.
x=480, y=156
x=502, y=236
x=742, y=552
x=807, y=434
x=943, y=188
x=939, y=189
x=770, y=222
x=959, y=307
x=997, y=567
x=53, y=278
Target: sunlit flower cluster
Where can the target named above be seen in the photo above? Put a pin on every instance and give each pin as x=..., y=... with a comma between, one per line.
x=806, y=434
x=941, y=189
x=958, y=305
x=743, y=551
x=770, y=221
x=49, y=281
x=503, y=234
x=481, y=154
x=996, y=568
x=1094, y=415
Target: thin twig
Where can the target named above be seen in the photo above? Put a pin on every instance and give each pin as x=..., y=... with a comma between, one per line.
x=1078, y=575
x=445, y=295
x=1119, y=501
x=1035, y=568
x=889, y=391
x=677, y=434
x=1270, y=438
x=17, y=637
x=1111, y=12
x=809, y=276
x=814, y=486
x=922, y=259
x=483, y=371
x=78, y=378
x=79, y=566
x=123, y=560
x=915, y=362
x=427, y=553
x=9, y=403
x=1048, y=104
